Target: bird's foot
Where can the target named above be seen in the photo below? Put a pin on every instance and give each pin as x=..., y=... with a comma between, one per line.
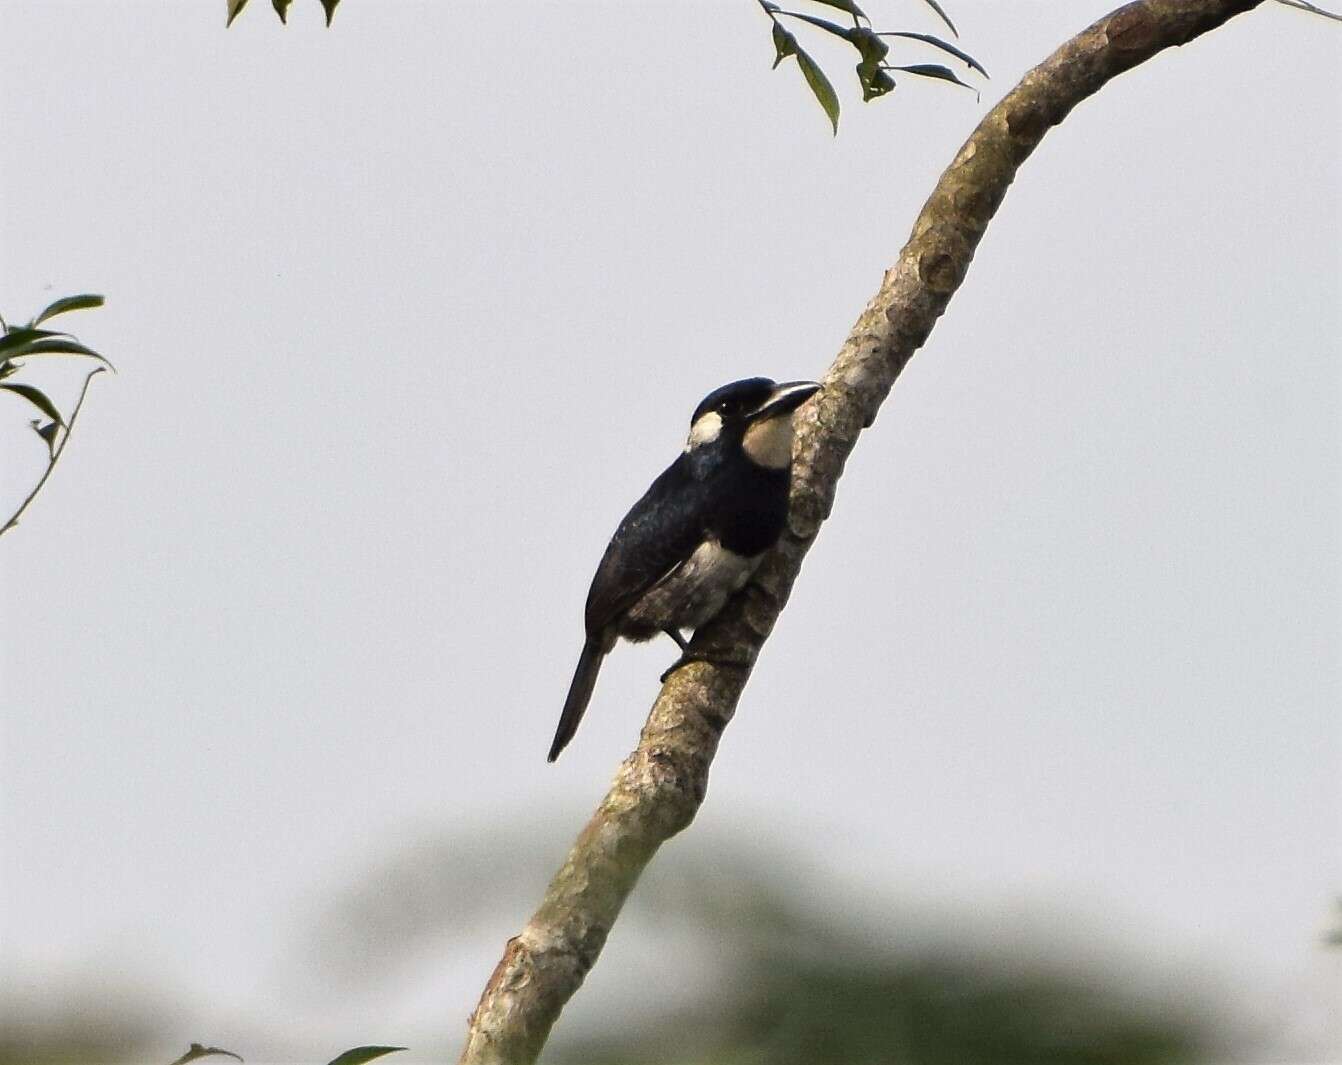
x=726, y=660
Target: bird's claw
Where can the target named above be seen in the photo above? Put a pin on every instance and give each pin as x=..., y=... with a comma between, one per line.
x=725, y=661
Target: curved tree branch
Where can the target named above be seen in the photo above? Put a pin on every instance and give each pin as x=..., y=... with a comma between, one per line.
x=659, y=787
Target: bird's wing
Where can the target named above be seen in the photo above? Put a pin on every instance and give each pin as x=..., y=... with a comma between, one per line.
x=658, y=534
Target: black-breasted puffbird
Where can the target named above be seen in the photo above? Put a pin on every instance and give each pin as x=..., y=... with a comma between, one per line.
x=698, y=533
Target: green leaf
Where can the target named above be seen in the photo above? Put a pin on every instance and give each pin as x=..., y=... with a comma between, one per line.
x=359, y=1055
x=63, y=347
x=8, y=368
x=824, y=24
x=969, y=60
x=198, y=1051
x=282, y=9
x=48, y=434
x=38, y=399
x=875, y=81
x=70, y=303
x=944, y=17
x=935, y=70
x=330, y=6
x=784, y=44
x=868, y=44
x=15, y=339
x=845, y=5
x=824, y=91
x=234, y=10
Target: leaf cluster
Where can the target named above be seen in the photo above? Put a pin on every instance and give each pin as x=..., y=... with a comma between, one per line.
x=19, y=343
x=281, y=8
x=874, y=73
x=29, y=341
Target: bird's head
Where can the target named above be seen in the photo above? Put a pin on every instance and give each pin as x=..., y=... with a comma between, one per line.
x=754, y=414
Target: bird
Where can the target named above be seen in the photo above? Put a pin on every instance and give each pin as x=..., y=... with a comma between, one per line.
x=697, y=535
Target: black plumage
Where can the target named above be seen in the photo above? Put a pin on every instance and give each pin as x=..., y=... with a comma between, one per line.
x=696, y=535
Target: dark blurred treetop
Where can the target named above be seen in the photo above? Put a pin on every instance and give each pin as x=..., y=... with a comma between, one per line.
x=788, y=970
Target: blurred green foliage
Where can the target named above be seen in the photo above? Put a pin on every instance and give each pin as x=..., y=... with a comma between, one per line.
x=784, y=969
x=773, y=965
x=76, y=1031
x=874, y=1014
x=807, y=990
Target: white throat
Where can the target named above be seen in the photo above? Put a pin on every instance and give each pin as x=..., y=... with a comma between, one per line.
x=769, y=443
x=705, y=430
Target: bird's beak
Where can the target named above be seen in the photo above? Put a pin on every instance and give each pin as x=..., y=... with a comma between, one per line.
x=784, y=399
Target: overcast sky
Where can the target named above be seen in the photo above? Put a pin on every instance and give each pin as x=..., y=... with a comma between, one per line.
x=407, y=313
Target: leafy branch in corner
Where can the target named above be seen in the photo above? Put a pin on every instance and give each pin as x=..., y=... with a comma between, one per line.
x=281, y=8
x=874, y=74
x=18, y=343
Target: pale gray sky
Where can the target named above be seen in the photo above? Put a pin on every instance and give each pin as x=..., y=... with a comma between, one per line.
x=407, y=313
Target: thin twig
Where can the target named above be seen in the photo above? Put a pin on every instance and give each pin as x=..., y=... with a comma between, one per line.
x=55, y=454
x=1304, y=5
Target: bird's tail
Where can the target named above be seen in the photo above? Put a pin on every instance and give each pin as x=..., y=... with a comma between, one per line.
x=579, y=694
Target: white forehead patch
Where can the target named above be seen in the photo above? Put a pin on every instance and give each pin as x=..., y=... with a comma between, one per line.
x=705, y=430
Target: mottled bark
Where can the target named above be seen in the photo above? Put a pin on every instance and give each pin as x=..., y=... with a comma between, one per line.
x=659, y=787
